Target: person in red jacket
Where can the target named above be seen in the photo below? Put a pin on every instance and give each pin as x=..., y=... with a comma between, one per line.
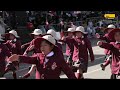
x=69, y=45
x=114, y=48
x=106, y=38
x=14, y=43
x=49, y=32
x=53, y=33
x=4, y=53
x=37, y=33
x=50, y=62
x=14, y=46
x=80, y=55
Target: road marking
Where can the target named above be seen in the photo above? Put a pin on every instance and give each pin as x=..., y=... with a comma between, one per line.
x=93, y=71
x=99, y=57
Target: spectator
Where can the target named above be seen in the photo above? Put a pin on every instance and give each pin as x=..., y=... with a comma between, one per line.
x=13, y=21
x=2, y=26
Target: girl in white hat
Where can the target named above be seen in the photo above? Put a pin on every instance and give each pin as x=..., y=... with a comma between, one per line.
x=50, y=62
x=53, y=33
x=4, y=53
x=36, y=33
x=69, y=45
x=30, y=47
x=106, y=38
x=82, y=46
x=14, y=45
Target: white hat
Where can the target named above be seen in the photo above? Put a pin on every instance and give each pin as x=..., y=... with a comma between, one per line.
x=14, y=33
x=50, y=38
x=81, y=29
x=37, y=32
x=71, y=30
x=1, y=38
x=52, y=32
x=111, y=26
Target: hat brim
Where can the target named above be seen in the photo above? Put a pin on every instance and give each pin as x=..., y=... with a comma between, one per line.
x=112, y=33
x=38, y=41
x=51, y=35
x=68, y=31
x=56, y=49
x=15, y=35
x=81, y=32
x=36, y=33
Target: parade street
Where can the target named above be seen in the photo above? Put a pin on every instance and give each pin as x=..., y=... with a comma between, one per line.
x=94, y=69
x=59, y=44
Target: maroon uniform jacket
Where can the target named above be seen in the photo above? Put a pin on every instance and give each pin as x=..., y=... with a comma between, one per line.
x=4, y=51
x=26, y=45
x=38, y=51
x=35, y=50
x=106, y=38
x=115, y=50
x=59, y=45
x=14, y=47
x=52, y=69
x=81, y=48
x=69, y=46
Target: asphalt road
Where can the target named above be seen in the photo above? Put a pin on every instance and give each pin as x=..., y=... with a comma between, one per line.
x=94, y=69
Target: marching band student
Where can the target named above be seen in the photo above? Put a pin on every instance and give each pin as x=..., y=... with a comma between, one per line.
x=14, y=46
x=50, y=62
x=106, y=38
x=14, y=43
x=80, y=55
x=114, y=48
x=4, y=53
x=37, y=33
x=69, y=45
x=53, y=33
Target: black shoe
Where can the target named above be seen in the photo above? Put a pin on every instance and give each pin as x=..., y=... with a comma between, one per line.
x=102, y=66
x=113, y=76
x=29, y=67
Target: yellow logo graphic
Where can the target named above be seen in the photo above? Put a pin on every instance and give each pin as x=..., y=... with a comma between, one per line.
x=109, y=16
